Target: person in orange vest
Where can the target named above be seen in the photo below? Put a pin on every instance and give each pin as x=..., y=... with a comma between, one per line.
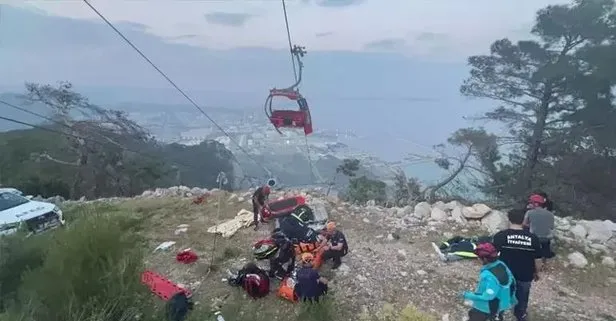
x=310, y=285
x=337, y=246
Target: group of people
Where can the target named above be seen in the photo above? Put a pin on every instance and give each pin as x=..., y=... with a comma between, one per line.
x=330, y=243
x=512, y=261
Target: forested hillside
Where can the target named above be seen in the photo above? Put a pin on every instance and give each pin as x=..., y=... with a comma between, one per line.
x=555, y=94
x=102, y=154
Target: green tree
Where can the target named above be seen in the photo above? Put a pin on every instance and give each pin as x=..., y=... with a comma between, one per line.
x=543, y=88
x=361, y=189
x=406, y=190
x=102, y=154
x=349, y=167
x=477, y=161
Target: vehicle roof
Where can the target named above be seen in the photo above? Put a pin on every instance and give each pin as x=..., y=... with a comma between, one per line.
x=10, y=190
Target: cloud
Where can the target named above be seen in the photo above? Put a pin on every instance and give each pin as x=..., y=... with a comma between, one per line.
x=323, y=34
x=386, y=44
x=227, y=18
x=180, y=37
x=338, y=3
x=431, y=37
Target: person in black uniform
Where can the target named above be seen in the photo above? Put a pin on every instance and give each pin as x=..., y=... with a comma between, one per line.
x=258, y=201
x=285, y=255
x=337, y=247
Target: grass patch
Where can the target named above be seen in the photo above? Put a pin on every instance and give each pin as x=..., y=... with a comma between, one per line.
x=391, y=313
x=89, y=270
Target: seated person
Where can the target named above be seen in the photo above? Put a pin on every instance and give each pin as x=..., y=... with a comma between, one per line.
x=459, y=248
x=253, y=280
x=337, y=246
x=285, y=255
x=310, y=285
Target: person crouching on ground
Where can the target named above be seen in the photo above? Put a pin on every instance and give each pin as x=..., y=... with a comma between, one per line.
x=541, y=223
x=258, y=201
x=310, y=285
x=285, y=256
x=337, y=246
x=495, y=291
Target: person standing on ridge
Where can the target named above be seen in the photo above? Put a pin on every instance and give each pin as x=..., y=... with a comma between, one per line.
x=541, y=223
x=520, y=250
x=258, y=202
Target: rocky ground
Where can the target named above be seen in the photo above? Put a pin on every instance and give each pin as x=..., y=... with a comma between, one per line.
x=390, y=261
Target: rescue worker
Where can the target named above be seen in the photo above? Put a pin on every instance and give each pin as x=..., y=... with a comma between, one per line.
x=258, y=202
x=337, y=246
x=495, y=291
x=285, y=255
x=540, y=221
x=310, y=285
x=520, y=250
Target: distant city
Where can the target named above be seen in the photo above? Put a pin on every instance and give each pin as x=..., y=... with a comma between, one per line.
x=327, y=148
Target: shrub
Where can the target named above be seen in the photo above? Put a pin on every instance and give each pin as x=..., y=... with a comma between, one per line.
x=89, y=271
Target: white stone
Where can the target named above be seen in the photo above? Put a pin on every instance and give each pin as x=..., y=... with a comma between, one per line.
x=457, y=216
x=577, y=259
x=608, y=261
x=476, y=211
x=422, y=210
x=579, y=231
x=495, y=221
x=598, y=231
x=438, y=214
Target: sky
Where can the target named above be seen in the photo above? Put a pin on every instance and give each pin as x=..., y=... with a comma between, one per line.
x=431, y=29
x=387, y=69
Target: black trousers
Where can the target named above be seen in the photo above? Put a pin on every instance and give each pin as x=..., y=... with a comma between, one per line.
x=335, y=255
x=322, y=290
x=277, y=262
x=476, y=315
x=255, y=211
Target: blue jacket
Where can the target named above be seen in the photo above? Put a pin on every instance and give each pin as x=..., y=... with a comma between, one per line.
x=495, y=288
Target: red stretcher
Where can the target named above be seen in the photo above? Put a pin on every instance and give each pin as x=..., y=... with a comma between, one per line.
x=162, y=287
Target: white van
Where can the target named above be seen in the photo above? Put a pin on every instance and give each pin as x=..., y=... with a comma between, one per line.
x=18, y=211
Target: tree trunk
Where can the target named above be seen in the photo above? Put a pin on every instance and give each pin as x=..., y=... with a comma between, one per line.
x=453, y=175
x=532, y=155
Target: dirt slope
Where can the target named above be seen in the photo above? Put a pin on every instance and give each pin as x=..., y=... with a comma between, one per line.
x=387, y=263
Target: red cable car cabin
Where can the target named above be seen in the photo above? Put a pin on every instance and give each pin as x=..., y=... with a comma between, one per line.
x=289, y=118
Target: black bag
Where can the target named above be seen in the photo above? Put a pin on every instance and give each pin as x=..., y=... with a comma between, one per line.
x=178, y=307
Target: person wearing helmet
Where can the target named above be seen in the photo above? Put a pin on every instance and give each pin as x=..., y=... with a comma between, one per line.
x=520, y=250
x=310, y=285
x=253, y=280
x=541, y=223
x=258, y=201
x=285, y=256
x=337, y=246
x=495, y=292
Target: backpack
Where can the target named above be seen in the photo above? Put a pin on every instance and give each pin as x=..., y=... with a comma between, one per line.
x=256, y=285
x=500, y=272
x=178, y=307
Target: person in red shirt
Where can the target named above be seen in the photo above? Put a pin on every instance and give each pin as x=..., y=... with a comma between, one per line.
x=258, y=201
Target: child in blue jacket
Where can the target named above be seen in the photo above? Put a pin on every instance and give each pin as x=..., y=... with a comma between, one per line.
x=496, y=289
